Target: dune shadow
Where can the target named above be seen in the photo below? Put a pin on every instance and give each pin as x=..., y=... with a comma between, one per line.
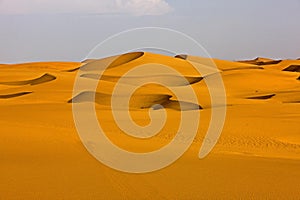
x=181, y=56
x=292, y=68
x=263, y=97
x=8, y=96
x=181, y=105
x=72, y=70
x=144, y=101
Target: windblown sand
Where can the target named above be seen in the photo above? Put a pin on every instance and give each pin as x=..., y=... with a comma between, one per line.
x=256, y=157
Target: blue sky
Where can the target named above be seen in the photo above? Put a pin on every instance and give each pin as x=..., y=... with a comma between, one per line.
x=66, y=30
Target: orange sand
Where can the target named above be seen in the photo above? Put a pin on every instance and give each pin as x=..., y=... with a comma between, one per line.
x=257, y=156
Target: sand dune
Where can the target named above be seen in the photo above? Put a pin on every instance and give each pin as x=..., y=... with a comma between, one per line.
x=47, y=66
x=261, y=61
x=110, y=62
x=141, y=101
x=43, y=79
x=256, y=157
x=221, y=64
x=282, y=65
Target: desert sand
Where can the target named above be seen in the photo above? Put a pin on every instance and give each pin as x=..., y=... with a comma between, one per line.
x=256, y=157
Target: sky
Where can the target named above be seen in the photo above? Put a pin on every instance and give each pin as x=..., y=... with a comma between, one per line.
x=67, y=30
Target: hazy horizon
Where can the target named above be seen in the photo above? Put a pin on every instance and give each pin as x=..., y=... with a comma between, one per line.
x=68, y=30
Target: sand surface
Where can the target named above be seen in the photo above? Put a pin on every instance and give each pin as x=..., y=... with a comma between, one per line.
x=256, y=157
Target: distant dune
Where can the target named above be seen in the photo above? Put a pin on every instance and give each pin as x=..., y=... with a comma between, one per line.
x=261, y=61
x=256, y=157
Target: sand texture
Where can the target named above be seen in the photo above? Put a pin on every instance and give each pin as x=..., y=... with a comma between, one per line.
x=256, y=157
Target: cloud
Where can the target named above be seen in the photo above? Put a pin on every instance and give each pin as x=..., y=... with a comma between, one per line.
x=133, y=7
x=144, y=7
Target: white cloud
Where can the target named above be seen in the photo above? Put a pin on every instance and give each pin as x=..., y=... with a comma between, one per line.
x=133, y=7
x=144, y=7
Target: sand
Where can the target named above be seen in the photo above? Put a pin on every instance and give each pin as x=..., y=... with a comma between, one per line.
x=256, y=157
